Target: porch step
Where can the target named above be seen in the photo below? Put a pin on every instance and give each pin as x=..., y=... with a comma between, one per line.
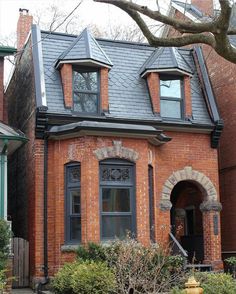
x=200, y=267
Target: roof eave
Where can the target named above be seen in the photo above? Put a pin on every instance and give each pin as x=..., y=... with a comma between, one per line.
x=6, y=51
x=90, y=62
x=166, y=70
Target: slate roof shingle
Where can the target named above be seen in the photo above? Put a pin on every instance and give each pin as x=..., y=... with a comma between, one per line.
x=85, y=47
x=128, y=92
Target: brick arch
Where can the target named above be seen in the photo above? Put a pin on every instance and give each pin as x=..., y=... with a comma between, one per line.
x=116, y=151
x=188, y=174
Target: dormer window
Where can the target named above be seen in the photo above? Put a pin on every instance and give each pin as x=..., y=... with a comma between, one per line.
x=171, y=97
x=85, y=91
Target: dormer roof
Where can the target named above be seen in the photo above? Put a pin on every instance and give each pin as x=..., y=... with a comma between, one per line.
x=166, y=59
x=84, y=50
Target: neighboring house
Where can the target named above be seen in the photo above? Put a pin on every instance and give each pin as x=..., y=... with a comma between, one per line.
x=223, y=80
x=10, y=139
x=122, y=138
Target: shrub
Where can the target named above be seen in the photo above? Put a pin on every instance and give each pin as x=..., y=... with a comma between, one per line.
x=3, y=279
x=216, y=283
x=5, y=235
x=84, y=277
x=143, y=269
x=93, y=252
x=231, y=262
x=62, y=280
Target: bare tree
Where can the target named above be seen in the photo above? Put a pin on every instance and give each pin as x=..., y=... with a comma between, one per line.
x=214, y=32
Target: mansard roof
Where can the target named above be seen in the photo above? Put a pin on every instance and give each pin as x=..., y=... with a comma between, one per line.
x=167, y=58
x=129, y=98
x=85, y=49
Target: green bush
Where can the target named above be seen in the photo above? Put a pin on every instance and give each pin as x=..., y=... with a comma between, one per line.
x=142, y=269
x=3, y=279
x=213, y=283
x=231, y=263
x=5, y=235
x=62, y=280
x=84, y=277
x=93, y=252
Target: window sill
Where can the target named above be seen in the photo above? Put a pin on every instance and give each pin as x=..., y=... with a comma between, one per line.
x=69, y=248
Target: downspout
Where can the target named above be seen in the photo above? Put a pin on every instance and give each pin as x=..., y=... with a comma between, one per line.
x=45, y=217
x=3, y=155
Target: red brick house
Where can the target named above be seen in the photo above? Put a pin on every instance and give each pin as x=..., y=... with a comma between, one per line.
x=122, y=138
x=223, y=80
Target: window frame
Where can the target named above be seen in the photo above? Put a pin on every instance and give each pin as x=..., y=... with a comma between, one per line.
x=98, y=92
x=69, y=187
x=166, y=98
x=132, y=185
x=151, y=202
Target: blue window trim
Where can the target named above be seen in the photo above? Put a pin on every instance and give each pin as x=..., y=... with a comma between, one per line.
x=83, y=70
x=181, y=100
x=130, y=186
x=151, y=202
x=68, y=188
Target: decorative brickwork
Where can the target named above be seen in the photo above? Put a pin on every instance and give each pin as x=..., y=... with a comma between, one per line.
x=189, y=174
x=117, y=150
x=67, y=84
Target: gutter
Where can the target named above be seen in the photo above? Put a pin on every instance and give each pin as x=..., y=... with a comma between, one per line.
x=2, y=200
x=45, y=224
x=154, y=136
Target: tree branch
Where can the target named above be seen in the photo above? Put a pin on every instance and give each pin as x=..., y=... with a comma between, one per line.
x=172, y=42
x=180, y=25
x=214, y=33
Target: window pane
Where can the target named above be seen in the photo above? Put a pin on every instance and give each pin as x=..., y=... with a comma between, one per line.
x=74, y=174
x=170, y=108
x=84, y=102
x=116, y=226
x=85, y=81
x=170, y=88
x=115, y=200
x=75, y=202
x=75, y=228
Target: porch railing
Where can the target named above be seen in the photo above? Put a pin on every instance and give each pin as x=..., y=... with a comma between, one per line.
x=177, y=249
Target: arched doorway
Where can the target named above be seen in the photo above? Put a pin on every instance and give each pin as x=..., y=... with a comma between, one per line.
x=210, y=208
x=186, y=219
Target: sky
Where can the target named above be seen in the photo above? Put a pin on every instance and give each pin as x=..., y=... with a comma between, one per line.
x=89, y=12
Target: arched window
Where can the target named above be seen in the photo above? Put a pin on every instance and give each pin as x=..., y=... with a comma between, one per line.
x=117, y=199
x=72, y=203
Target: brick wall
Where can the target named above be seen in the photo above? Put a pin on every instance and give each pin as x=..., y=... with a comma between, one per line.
x=223, y=79
x=184, y=150
x=66, y=79
x=153, y=82
x=205, y=6
x=104, y=89
x=21, y=168
x=23, y=27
